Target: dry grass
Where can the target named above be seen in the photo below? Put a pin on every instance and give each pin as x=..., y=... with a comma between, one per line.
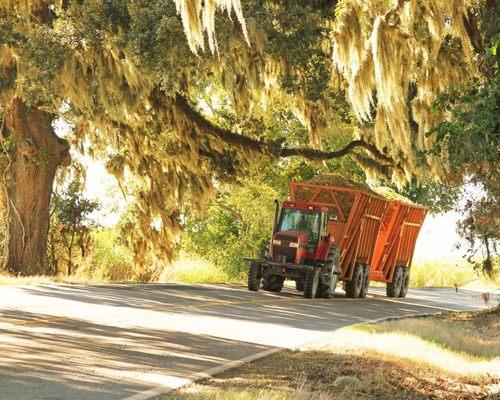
x=449, y=272
x=471, y=335
x=183, y=270
x=194, y=270
x=6, y=279
x=351, y=365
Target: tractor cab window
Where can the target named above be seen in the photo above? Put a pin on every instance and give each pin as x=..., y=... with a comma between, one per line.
x=301, y=220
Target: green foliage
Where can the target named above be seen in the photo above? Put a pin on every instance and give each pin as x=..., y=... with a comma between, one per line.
x=471, y=139
x=70, y=227
x=437, y=196
x=109, y=259
x=237, y=223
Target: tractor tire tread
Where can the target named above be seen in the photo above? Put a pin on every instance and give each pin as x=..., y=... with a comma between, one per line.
x=273, y=283
x=309, y=284
x=253, y=278
x=299, y=285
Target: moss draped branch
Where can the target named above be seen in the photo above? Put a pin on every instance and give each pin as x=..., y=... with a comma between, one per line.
x=271, y=148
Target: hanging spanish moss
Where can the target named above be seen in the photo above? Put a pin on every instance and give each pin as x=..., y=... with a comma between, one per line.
x=384, y=48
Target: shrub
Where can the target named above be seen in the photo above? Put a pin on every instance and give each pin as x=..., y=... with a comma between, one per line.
x=109, y=259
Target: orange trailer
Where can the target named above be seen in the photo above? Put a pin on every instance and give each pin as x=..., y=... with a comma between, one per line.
x=376, y=236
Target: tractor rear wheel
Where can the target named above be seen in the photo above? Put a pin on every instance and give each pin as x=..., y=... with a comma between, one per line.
x=327, y=290
x=406, y=282
x=273, y=283
x=366, y=281
x=393, y=288
x=332, y=267
x=311, y=283
x=254, y=277
x=354, y=286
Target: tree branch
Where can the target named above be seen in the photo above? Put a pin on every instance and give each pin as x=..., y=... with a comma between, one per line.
x=274, y=148
x=312, y=154
x=477, y=41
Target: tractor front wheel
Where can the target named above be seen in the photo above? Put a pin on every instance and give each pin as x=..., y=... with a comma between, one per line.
x=311, y=283
x=273, y=283
x=393, y=288
x=355, y=285
x=254, y=277
x=299, y=285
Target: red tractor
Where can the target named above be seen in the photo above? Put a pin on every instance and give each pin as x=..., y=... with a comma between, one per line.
x=335, y=230
x=301, y=249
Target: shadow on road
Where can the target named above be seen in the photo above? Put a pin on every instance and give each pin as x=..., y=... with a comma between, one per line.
x=90, y=358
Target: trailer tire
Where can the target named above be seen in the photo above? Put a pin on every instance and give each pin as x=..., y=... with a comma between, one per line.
x=366, y=281
x=355, y=285
x=393, y=288
x=299, y=285
x=311, y=283
x=254, y=277
x=406, y=282
x=273, y=283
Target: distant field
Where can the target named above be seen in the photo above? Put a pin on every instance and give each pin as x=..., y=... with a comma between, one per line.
x=450, y=272
x=450, y=356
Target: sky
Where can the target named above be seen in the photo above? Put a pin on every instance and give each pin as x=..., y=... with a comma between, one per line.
x=438, y=238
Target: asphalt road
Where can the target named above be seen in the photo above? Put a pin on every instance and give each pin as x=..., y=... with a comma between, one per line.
x=135, y=341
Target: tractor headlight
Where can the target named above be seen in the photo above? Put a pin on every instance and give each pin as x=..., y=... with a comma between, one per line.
x=277, y=242
x=296, y=245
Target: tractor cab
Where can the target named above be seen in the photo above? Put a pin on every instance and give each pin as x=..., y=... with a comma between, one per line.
x=299, y=234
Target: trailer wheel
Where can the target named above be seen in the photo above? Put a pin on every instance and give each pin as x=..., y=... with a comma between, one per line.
x=273, y=283
x=311, y=283
x=299, y=285
x=355, y=285
x=406, y=282
x=393, y=288
x=254, y=277
x=366, y=281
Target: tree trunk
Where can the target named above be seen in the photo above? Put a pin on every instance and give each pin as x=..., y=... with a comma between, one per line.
x=36, y=155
